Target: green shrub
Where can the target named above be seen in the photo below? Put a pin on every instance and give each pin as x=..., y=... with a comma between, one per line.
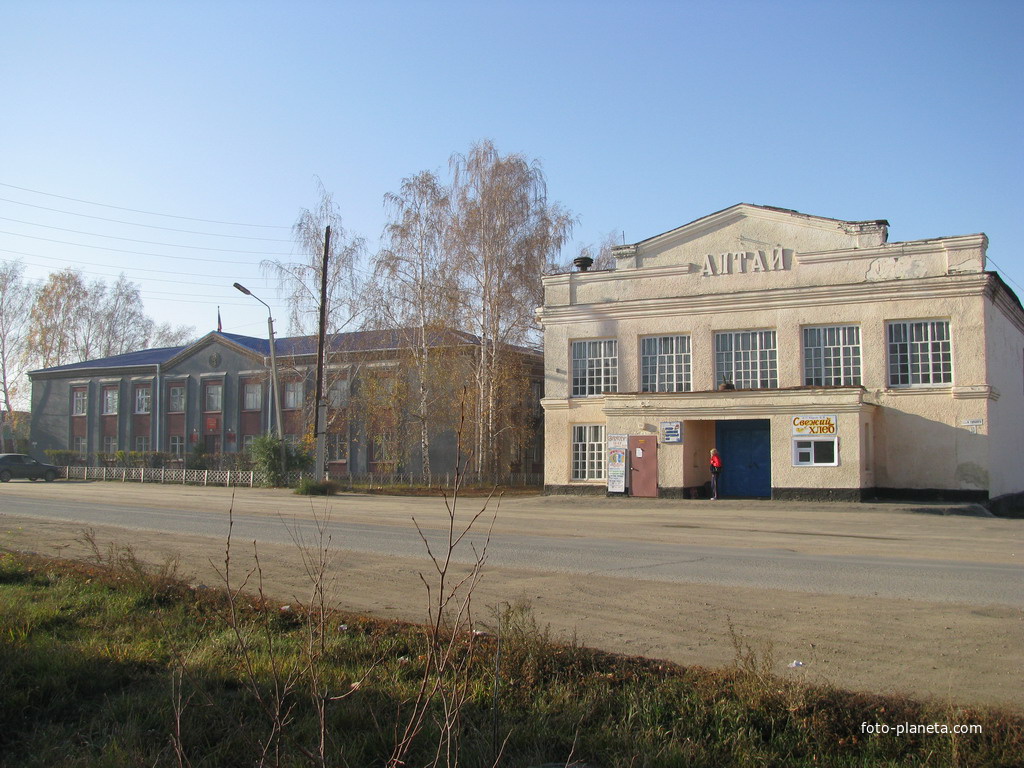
x=309, y=487
x=265, y=451
x=63, y=458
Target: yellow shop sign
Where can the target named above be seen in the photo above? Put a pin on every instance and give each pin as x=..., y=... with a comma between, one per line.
x=816, y=425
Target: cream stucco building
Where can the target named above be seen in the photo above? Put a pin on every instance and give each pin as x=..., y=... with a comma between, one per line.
x=821, y=360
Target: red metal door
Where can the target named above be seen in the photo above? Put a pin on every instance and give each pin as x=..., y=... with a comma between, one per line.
x=643, y=465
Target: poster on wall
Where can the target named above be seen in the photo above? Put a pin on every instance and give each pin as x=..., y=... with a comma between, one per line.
x=618, y=445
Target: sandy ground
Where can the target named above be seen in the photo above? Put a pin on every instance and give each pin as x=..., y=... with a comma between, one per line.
x=957, y=653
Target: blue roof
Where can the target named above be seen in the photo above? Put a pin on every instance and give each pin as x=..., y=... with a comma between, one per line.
x=356, y=341
x=128, y=359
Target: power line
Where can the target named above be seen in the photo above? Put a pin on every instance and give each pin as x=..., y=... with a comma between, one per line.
x=1005, y=275
x=133, y=240
x=137, y=253
x=148, y=226
x=148, y=213
x=122, y=269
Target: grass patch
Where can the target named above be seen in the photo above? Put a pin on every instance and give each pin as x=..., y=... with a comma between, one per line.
x=111, y=664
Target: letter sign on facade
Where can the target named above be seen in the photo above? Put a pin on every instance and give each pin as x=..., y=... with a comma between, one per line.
x=816, y=425
x=670, y=432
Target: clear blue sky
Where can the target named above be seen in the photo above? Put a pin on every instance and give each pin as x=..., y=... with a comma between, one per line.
x=644, y=115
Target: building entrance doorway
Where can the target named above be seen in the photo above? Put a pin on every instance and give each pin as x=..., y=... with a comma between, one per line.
x=745, y=447
x=643, y=465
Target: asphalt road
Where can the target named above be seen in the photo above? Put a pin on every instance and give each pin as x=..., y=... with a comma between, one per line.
x=872, y=597
x=570, y=552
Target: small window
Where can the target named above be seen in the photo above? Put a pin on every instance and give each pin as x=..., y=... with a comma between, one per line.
x=595, y=367
x=143, y=400
x=665, y=364
x=79, y=402
x=110, y=444
x=247, y=441
x=337, y=447
x=177, y=399
x=177, y=446
x=832, y=356
x=337, y=395
x=588, y=452
x=111, y=399
x=748, y=359
x=78, y=445
x=920, y=354
x=214, y=397
x=253, y=400
x=142, y=443
x=816, y=452
x=293, y=394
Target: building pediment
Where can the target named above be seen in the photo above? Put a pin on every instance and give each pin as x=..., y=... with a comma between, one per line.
x=213, y=352
x=754, y=234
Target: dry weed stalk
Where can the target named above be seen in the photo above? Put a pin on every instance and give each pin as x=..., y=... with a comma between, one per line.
x=445, y=682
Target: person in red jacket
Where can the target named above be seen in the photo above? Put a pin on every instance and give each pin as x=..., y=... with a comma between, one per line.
x=716, y=470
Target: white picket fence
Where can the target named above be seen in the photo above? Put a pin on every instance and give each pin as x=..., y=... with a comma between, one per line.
x=226, y=477
x=237, y=478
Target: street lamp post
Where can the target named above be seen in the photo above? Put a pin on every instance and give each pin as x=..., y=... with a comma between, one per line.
x=275, y=383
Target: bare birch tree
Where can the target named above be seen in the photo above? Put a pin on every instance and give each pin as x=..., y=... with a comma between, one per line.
x=505, y=233
x=60, y=305
x=299, y=279
x=71, y=321
x=15, y=304
x=418, y=291
x=299, y=283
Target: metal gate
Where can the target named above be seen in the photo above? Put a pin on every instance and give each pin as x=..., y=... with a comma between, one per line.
x=745, y=448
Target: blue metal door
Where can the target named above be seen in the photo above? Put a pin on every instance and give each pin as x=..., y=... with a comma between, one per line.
x=745, y=448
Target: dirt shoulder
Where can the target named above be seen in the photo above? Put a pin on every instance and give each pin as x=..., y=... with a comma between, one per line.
x=964, y=654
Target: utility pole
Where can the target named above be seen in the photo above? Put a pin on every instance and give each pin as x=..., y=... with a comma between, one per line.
x=320, y=415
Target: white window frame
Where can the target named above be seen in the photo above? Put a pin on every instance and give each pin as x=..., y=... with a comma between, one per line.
x=247, y=441
x=665, y=364
x=143, y=399
x=589, y=452
x=176, y=446
x=109, y=444
x=142, y=443
x=79, y=445
x=595, y=367
x=337, y=447
x=804, y=451
x=338, y=394
x=79, y=402
x=293, y=395
x=832, y=355
x=252, y=396
x=752, y=354
x=209, y=389
x=921, y=362
x=171, y=398
x=111, y=400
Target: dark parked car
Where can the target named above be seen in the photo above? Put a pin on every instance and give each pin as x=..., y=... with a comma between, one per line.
x=19, y=465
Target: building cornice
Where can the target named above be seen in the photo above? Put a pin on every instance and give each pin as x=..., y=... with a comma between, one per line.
x=76, y=374
x=925, y=288
x=704, y=405
x=716, y=404
x=888, y=250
